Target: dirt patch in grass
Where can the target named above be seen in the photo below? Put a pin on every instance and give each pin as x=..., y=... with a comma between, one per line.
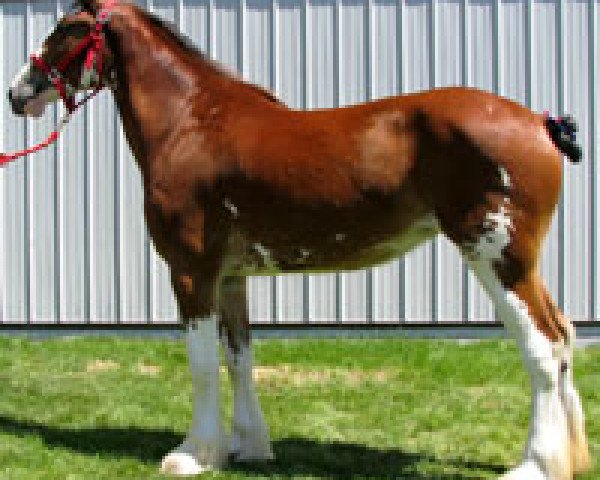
x=299, y=377
x=101, y=366
x=146, y=369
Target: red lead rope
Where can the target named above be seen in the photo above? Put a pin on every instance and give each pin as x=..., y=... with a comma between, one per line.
x=53, y=137
x=9, y=157
x=93, y=43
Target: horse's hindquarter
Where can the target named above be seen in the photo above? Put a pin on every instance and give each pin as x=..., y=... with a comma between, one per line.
x=486, y=153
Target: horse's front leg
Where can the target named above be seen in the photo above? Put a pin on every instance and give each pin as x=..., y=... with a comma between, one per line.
x=250, y=434
x=205, y=446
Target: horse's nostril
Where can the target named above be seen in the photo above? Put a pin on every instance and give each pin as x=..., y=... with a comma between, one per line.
x=17, y=104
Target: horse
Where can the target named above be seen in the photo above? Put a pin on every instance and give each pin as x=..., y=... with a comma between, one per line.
x=238, y=184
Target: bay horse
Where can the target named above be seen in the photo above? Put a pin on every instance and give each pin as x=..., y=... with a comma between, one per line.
x=237, y=184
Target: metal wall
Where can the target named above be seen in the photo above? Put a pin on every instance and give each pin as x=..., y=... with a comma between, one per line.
x=73, y=247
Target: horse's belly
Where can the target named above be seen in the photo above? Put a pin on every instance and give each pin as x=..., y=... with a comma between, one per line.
x=248, y=258
x=400, y=244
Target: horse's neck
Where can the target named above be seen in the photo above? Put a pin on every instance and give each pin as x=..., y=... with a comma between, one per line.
x=154, y=82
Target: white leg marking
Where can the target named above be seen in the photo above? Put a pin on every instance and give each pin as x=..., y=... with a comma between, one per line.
x=575, y=416
x=505, y=178
x=496, y=237
x=205, y=446
x=250, y=434
x=546, y=455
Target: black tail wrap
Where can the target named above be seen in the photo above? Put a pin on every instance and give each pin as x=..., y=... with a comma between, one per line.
x=563, y=131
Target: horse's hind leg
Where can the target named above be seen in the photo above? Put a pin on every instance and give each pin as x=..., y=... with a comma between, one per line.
x=250, y=435
x=501, y=242
x=578, y=441
x=556, y=447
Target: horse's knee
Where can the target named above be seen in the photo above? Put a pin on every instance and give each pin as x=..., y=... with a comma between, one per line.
x=202, y=345
x=233, y=312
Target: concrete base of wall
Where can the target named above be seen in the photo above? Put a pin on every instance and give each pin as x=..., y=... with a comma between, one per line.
x=587, y=332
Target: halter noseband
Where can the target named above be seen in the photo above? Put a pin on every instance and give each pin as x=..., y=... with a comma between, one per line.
x=92, y=44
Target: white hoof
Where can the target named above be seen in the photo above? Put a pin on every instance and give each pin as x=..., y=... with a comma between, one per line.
x=530, y=470
x=527, y=471
x=193, y=457
x=181, y=464
x=255, y=447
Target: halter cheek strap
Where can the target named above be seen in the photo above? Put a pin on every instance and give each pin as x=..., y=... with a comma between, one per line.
x=92, y=44
x=63, y=88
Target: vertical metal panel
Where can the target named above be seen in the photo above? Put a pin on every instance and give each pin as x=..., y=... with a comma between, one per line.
x=387, y=298
x=163, y=303
x=3, y=63
x=544, y=88
x=72, y=161
x=42, y=199
x=448, y=70
x=322, y=90
x=481, y=73
x=418, y=38
x=353, y=81
x=289, y=81
x=103, y=223
x=594, y=132
x=74, y=246
x=14, y=231
x=253, y=54
x=576, y=196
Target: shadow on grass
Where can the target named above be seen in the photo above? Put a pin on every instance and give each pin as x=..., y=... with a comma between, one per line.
x=338, y=460
x=145, y=444
x=294, y=456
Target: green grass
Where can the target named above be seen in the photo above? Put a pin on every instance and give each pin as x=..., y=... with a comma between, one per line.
x=110, y=408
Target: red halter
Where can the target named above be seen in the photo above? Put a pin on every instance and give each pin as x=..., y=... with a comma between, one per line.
x=92, y=44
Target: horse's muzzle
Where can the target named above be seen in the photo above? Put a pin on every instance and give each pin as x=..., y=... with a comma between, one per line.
x=17, y=102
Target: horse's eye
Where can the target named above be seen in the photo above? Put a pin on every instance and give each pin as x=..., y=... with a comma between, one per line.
x=72, y=29
x=62, y=29
x=78, y=29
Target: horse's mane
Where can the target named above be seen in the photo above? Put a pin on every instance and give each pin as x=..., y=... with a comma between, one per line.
x=184, y=42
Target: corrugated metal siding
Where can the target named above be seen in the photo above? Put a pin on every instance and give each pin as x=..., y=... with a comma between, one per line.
x=73, y=245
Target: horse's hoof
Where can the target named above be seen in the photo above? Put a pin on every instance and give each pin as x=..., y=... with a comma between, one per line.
x=252, y=454
x=181, y=464
x=582, y=461
x=193, y=457
x=526, y=471
x=530, y=470
x=251, y=448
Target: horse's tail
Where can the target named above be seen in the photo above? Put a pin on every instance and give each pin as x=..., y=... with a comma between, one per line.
x=563, y=131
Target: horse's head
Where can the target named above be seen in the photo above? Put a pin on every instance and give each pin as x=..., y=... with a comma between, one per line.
x=72, y=58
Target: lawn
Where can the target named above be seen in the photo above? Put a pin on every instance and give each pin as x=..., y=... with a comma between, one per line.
x=109, y=408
